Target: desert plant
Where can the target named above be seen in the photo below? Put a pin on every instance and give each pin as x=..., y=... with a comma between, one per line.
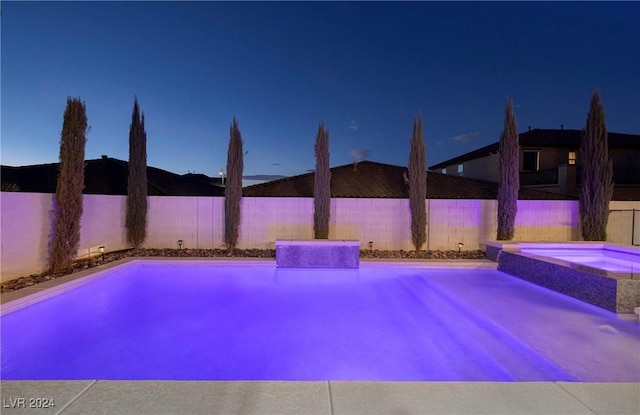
x=596, y=185
x=418, y=186
x=67, y=212
x=136, y=220
x=321, y=185
x=233, y=190
x=509, y=149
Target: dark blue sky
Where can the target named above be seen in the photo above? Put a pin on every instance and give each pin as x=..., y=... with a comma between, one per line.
x=365, y=68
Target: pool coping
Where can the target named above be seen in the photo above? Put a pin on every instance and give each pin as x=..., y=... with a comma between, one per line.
x=517, y=247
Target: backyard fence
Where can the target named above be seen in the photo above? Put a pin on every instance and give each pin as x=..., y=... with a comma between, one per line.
x=199, y=223
x=629, y=230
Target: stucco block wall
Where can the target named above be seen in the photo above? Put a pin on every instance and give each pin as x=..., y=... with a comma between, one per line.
x=265, y=219
x=382, y=221
x=199, y=222
x=385, y=222
x=26, y=228
x=619, y=227
x=102, y=224
x=451, y=221
x=24, y=231
x=546, y=220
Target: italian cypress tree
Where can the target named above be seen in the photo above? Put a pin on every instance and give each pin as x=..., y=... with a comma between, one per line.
x=136, y=221
x=509, y=149
x=418, y=186
x=68, y=201
x=596, y=187
x=321, y=185
x=233, y=190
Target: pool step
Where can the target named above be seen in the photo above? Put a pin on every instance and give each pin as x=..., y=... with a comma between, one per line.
x=500, y=353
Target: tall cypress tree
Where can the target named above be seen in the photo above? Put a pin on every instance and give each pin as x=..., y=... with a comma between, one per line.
x=596, y=186
x=418, y=186
x=68, y=201
x=136, y=221
x=509, y=149
x=233, y=190
x=321, y=185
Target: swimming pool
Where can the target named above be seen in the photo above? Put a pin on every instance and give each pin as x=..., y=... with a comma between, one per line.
x=202, y=320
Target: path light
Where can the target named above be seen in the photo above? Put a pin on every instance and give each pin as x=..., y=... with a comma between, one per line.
x=222, y=175
x=370, y=245
x=460, y=245
x=180, y=244
x=102, y=251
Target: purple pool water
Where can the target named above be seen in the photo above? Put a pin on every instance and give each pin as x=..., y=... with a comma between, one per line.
x=188, y=321
x=605, y=259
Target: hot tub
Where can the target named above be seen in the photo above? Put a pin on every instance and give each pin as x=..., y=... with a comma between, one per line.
x=605, y=275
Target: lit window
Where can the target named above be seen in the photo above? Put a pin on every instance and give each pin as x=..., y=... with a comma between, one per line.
x=460, y=169
x=572, y=157
x=444, y=171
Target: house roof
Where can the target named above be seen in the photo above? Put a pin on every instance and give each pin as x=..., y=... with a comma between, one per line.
x=368, y=179
x=365, y=179
x=109, y=176
x=545, y=138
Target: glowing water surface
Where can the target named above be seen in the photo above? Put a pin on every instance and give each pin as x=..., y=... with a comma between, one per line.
x=604, y=259
x=189, y=321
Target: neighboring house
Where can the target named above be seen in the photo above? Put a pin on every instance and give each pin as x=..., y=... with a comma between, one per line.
x=549, y=161
x=365, y=179
x=368, y=179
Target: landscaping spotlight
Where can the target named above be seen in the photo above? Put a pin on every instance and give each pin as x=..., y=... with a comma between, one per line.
x=460, y=245
x=180, y=244
x=370, y=245
x=102, y=251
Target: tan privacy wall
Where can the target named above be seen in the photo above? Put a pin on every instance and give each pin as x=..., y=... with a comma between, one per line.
x=199, y=223
x=26, y=228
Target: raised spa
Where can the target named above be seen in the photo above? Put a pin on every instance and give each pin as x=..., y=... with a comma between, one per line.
x=605, y=275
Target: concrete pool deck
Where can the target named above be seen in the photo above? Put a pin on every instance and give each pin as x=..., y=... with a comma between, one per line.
x=322, y=397
x=335, y=398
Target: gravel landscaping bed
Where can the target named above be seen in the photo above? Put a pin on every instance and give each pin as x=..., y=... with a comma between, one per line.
x=34, y=279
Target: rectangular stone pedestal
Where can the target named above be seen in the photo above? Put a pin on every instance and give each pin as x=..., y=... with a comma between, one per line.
x=317, y=253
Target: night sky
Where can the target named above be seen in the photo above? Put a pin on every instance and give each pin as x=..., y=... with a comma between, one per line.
x=366, y=69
